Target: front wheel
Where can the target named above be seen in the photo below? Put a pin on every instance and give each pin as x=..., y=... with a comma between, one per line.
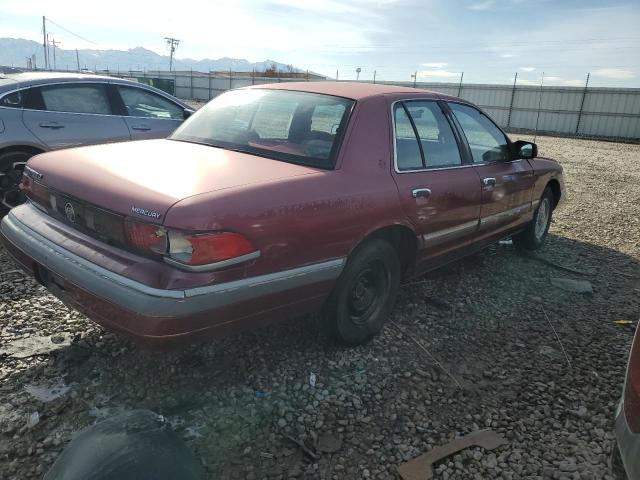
x=11, y=168
x=533, y=236
x=364, y=294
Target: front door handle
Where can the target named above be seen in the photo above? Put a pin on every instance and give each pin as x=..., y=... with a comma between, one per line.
x=421, y=192
x=52, y=125
x=489, y=181
x=142, y=128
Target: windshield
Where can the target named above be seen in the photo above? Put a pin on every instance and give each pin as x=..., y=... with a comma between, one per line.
x=292, y=126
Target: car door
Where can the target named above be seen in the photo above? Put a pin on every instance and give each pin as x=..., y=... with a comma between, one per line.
x=72, y=114
x=148, y=114
x=506, y=184
x=439, y=191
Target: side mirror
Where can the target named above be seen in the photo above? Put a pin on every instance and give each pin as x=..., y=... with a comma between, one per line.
x=187, y=113
x=522, y=149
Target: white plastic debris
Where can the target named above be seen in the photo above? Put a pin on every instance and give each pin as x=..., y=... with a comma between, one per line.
x=46, y=393
x=312, y=380
x=33, y=419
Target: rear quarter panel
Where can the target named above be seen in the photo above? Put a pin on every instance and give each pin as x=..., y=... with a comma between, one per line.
x=545, y=170
x=310, y=218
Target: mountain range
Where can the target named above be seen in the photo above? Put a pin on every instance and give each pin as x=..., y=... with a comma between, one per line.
x=15, y=51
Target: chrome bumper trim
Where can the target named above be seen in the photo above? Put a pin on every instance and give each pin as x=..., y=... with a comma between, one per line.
x=150, y=301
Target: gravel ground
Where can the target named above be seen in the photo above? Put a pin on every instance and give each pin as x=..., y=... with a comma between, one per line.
x=468, y=347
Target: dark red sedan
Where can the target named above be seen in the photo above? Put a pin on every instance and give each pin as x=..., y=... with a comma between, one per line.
x=274, y=201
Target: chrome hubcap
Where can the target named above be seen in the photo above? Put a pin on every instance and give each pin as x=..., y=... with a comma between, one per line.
x=542, y=219
x=10, y=194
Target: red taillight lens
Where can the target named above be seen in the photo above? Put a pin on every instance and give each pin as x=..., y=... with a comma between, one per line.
x=632, y=386
x=205, y=248
x=35, y=191
x=146, y=236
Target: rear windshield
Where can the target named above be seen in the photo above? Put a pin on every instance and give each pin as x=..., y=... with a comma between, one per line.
x=297, y=127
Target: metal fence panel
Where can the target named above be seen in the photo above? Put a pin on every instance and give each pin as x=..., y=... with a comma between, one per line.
x=593, y=112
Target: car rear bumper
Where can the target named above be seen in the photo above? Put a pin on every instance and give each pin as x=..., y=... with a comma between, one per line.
x=628, y=444
x=152, y=314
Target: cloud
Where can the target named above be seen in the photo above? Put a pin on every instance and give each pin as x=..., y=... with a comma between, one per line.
x=617, y=73
x=507, y=55
x=527, y=69
x=435, y=65
x=486, y=5
x=438, y=74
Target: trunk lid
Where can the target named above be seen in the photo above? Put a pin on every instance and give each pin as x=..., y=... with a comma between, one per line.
x=144, y=179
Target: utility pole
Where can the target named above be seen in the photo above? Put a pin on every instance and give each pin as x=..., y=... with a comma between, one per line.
x=77, y=59
x=44, y=43
x=173, y=44
x=55, y=44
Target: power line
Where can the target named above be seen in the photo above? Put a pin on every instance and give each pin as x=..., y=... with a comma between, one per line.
x=70, y=32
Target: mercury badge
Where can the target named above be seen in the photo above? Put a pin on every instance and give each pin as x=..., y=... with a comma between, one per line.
x=145, y=213
x=70, y=212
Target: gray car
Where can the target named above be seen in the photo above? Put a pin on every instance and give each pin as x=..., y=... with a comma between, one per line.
x=42, y=111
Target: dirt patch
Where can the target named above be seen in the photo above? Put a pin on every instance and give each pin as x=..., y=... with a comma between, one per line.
x=469, y=347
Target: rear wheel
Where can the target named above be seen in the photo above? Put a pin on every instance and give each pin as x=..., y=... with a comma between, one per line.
x=532, y=237
x=364, y=294
x=11, y=168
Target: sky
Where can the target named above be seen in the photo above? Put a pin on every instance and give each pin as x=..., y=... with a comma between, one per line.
x=488, y=40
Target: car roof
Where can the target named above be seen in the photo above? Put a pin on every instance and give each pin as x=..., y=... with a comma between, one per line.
x=9, y=81
x=352, y=90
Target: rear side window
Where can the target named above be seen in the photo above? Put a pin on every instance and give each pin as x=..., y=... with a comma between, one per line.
x=141, y=103
x=12, y=100
x=487, y=142
x=76, y=99
x=424, y=137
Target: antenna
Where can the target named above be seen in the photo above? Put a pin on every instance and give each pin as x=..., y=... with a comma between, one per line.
x=173, y=44
x=535, y=133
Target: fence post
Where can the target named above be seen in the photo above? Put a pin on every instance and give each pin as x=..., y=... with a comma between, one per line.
x=175, y=82
x=337, y=76
x=535, y=133
x=209, y=84
x=374, y=76
x=191, y=85
x=460, y=84
x=584, y=94
x=513, y=94
x=230, y=84
x=415, y=79
x=253, y=76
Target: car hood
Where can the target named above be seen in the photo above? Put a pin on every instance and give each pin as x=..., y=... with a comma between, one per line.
x=145, y=178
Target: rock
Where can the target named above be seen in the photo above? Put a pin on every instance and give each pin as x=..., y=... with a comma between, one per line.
x=329, y=443
x=577, y=286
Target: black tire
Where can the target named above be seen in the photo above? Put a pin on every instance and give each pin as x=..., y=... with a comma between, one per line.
x=533, y=236
x=364, y=295
x=11, y=167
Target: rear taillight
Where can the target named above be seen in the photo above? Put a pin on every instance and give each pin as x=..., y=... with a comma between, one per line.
x=184, y=249
x=146, y=236
x=36, y=192
x=205, y=248
x=632, y=386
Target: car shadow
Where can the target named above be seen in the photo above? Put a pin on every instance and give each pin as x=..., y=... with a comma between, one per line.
x=486, y=334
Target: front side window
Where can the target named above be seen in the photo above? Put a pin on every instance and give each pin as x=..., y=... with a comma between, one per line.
x=424, y=137
x=140, y=103
x=76, y=99
x=285, y=125
x=487, y=142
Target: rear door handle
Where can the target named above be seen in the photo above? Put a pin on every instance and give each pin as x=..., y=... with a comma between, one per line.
x=52, y=125
x=142, y=128
x=489, y=181
x=421, y=192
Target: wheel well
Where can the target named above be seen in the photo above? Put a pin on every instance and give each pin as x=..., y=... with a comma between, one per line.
x=21, y=148
x=555, y=189
x=402, y=239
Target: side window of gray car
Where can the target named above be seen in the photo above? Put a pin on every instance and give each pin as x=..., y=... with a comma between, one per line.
x=76, y=98
x=141, y=103
x=12, y=100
